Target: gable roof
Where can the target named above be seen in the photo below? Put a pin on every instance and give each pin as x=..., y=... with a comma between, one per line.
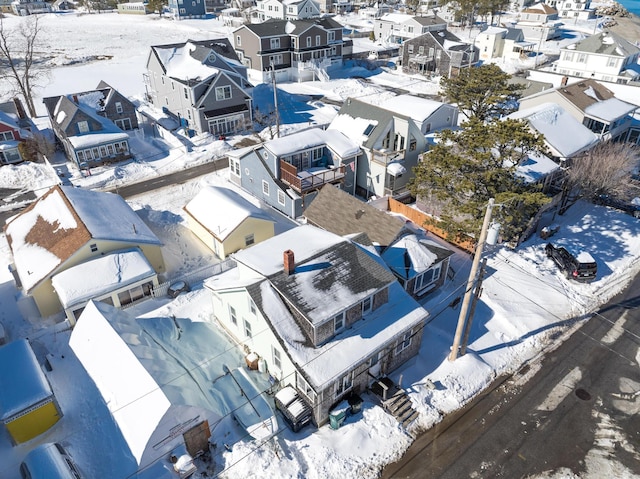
x=561, y=131
x=605, y=43
x=57, y=225
x=356, y=117
x=195, y=61
x=596, y=100
x=415, y=107
x=151, y=382
x=221, y=210
x=337, y=211
x=540, y=8
x=331, y=275
x=412, y=255
x=277, y=27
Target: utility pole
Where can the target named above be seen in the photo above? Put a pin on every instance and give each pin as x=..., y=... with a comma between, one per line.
x=476, y=296
x=275, y=99
x=470, y=282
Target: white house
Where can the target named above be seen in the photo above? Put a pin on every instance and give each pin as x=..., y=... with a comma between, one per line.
x=573, y=9
x=287, y=9
x=323, y=312
x=604, y=56
x=539, y=22
x=397, y=27
x=500, y=42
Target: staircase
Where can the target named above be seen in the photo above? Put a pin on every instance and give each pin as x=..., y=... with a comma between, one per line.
x=394, y=401
x=399, y=406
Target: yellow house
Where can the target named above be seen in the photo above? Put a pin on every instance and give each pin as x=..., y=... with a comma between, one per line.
x=69, y=226
x=28, y=406
x=226, y=222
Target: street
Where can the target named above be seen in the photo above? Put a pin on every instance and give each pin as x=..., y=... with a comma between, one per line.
x=575, y=408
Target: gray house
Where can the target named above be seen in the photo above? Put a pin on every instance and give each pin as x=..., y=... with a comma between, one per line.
x=286, y=173
x=440, y=53
x=202, y=84
x=295, y=49
x=91, y=125
x=392, y=136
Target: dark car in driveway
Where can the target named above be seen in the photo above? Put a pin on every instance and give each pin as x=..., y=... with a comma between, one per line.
x=579, y=267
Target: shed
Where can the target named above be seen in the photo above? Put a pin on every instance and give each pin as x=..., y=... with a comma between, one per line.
x=227, y=222
x=28, y=406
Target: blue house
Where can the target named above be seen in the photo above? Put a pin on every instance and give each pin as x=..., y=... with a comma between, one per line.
x=287, y=173
x=181, y=9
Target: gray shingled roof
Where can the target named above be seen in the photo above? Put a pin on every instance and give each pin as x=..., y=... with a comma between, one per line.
x=345, y=267
x=606, y=43
x=273, y=27
x=343, y=214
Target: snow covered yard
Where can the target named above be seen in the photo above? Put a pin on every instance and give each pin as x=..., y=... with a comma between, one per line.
x=526, y=304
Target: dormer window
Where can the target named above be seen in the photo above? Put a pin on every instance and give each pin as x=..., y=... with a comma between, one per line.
x=83, y=127
x=338, y=322
x=366, y=305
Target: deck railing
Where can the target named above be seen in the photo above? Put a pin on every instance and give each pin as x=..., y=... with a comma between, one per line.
x=305, y=181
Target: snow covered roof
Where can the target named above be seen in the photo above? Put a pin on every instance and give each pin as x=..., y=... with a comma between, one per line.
x=327, y=362
x=221, y=210
x=331, y=274
x=180, y=64
x=100, y=276
x=149, y=374
x=22, y=380
x=396, y=17
x=491, y=30
x=412, y=106
x=605, y=43
x=8, y=119
x=412, y=255
x=610, y=110
x=52, y=229
x=561, y=131
x=536, y=167
x=340, y=144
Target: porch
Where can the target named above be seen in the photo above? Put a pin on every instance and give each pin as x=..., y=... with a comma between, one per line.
x=304, y=181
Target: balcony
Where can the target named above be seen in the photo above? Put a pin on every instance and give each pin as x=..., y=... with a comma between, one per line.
x=305, y=181
x=384, y=156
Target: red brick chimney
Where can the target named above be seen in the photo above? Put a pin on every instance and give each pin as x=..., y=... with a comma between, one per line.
x=289, y=262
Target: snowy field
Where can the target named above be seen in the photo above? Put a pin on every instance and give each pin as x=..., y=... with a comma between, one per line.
x=524, y=284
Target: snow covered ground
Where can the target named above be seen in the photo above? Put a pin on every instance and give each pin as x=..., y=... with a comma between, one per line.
x=525, y=302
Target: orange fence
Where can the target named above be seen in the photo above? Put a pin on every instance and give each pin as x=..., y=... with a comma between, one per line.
x=420, y=218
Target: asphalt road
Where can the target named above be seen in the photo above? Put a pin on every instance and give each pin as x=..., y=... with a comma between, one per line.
x=579, y=402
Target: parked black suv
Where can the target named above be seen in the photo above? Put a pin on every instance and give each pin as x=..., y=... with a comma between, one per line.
x=580, y=268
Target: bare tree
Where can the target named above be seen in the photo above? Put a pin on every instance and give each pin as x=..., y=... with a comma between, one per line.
x=18, y=60
x=603, y=170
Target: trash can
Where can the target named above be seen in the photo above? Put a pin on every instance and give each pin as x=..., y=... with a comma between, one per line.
x=355, y=403
x=338, y=414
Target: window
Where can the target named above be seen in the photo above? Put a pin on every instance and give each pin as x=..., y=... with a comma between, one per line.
x=252, y=306
x=612, y=62
x=265, y=188
x=410, y=48
x=344, y=383
x=124, y=297
x=119, y=108
x=582, y=58
x=186, y=93
x=247, y=328
x=6, y=136
x=223, y=93
x=405, y=342
x=308, y=41
x=366, y=305
x=123, y=123
x=232, y=314
x=248, y=241
x=276, y=59
x=275, y=43
x=103, y=151
x=412, y=144
x=338, y=322
x=277, y=360
x=331, y=36
x=375, y=359
x=238, y=40
x=93, y=247
x=173, y=85
x=281, y=197
x=234, y=166
x=83, y=127
x=427, y=278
